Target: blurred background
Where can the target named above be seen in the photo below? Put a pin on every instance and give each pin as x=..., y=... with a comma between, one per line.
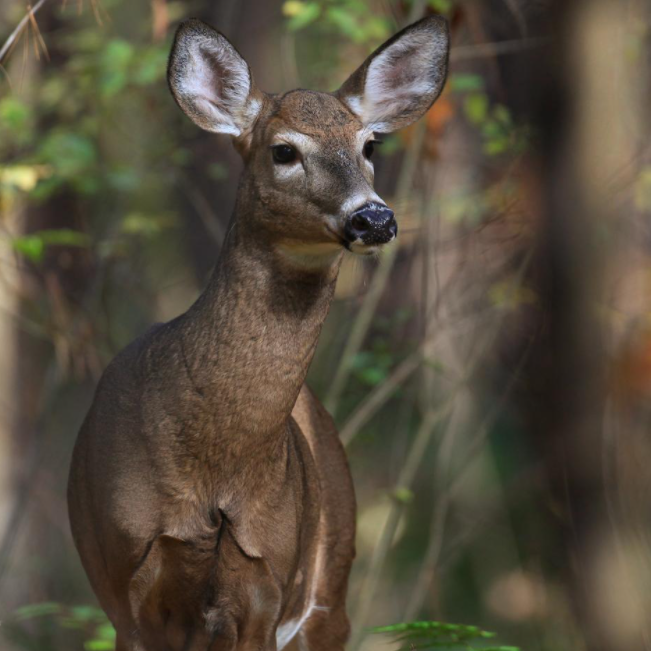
x=490, y=374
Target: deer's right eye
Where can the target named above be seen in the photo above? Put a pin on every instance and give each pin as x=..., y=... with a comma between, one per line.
x=283, y=154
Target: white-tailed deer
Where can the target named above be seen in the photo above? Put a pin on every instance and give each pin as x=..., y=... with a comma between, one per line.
x=209, y=496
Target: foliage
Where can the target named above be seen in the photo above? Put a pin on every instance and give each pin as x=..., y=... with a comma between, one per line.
x=439, y=635
x=102, y=83
x=352, y=19
x=33, y=246
x=88, y=622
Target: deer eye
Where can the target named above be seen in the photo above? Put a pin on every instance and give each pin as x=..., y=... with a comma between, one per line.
x=283, y=154
x=369, y=148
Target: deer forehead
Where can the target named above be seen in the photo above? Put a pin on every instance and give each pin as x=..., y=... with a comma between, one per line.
x=312, y=119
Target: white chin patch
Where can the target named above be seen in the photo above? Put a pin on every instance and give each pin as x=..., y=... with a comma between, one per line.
x=310, y=256
x=359, y=248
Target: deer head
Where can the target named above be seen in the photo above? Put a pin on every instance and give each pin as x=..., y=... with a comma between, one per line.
x=307, y=186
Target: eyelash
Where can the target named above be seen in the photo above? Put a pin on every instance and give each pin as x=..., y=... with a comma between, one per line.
x=369, y=153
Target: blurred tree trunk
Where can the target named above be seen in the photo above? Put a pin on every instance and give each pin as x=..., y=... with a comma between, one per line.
x=579, y=109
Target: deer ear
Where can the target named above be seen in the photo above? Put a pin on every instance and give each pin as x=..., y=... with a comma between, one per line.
x=399, y=82
x=211, y=82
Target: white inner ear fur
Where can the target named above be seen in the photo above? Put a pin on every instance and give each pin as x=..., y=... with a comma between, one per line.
x=398, y=75
x=218, y=83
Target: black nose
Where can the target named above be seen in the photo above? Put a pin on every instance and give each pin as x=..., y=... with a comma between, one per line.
x=372, y=224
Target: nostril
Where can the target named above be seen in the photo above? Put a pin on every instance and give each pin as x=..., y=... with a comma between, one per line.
x=372, y=224
x=360, y=223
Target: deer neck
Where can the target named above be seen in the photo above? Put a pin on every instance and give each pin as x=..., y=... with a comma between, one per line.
x=250, y=337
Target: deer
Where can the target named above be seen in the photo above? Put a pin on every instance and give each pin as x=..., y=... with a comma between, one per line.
x=210, y=498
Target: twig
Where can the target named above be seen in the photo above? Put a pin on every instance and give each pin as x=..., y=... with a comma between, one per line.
x=19, y=29
x=441, y=508
x=482, y=50
x=405, y=481
x=379, y=396
x=410, y=468
x=518, y=15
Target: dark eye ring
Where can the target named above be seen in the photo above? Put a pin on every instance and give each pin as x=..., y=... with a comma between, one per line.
x=369, y=148
x=283, y=154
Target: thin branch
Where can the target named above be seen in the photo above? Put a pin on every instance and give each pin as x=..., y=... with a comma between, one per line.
x=435, y=545
x=379, y=396
x=19, y=29
x=405, y=481
x=382, y=392
x=415, y=456
x=483, y=50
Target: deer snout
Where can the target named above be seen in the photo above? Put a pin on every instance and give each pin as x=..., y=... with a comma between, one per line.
x=372, y=224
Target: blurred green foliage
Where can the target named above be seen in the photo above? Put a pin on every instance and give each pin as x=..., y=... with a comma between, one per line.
x=79, y=129
x=439, y=635
x=33, y=626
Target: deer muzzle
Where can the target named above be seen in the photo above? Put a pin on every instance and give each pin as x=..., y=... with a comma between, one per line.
x=372, y=225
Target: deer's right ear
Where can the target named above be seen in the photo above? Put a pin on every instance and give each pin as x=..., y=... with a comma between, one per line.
x=211, y=82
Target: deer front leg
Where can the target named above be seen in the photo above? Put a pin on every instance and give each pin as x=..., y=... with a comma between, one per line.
x=325, y=630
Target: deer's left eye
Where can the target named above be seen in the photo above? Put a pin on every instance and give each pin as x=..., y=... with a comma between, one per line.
x=283, y=154
x=369, y=148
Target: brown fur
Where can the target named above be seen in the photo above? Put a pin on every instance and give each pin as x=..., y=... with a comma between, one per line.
x=209, y=495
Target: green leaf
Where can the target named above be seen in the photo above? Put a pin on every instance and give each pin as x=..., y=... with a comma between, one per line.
x=438, y=635
x=307, y=14
x=372, y=375
x=151, y=66
x=88, y=613
x=442, y=6
x=70, y=154
x=99, y=645
x=14, y=114
x=403, y=495
x=463, y=83
x=118, y=54
x=492, y=129
x=345, y=22
x=475, y=107
x=143, y=224
x=502, y=114
x=33, y=245
x=495, y=147
x=105, y=632
x=66, y=237
x=37, y=610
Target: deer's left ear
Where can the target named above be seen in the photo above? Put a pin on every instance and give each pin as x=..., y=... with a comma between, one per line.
x=399, y=82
